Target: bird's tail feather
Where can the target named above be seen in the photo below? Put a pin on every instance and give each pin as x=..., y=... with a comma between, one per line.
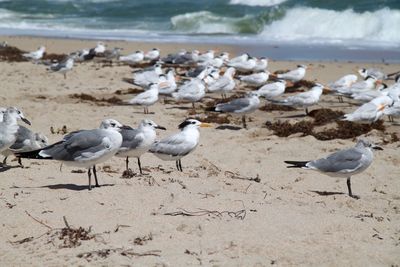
x=296, y=164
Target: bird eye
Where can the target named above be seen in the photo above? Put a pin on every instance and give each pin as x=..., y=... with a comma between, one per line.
x=112, y=124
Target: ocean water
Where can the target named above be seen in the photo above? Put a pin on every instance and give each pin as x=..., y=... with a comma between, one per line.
x=354, y=24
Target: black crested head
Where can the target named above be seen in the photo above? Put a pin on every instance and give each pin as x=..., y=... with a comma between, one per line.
x=186, y=123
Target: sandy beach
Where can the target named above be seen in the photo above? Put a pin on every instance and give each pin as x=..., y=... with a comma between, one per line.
x=234, y=204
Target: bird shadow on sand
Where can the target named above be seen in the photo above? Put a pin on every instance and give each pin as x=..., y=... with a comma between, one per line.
x=326, y=193
x=294, y=116
x=73, y=187
x=229, y=127
x=179, y=107
x=6, y=168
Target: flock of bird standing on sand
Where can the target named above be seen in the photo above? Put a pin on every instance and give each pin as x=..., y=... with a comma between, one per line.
x=205, y=73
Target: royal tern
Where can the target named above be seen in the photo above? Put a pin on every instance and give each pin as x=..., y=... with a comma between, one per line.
x=294, y=75
x=255, y=79
x=261, y=65
x=147, y=98
x=146, y=77
x=343, y=164
x=35, y=55
x=134, y=58
x=152, y=55
x=176, y=146
x=272, y=90
x=303, y=100
x=223, y=84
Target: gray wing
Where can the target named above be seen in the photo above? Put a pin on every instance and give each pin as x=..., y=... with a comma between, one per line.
x=23, y=134
x=130, y=138
x=174, y=145
x=76, y=144
x=234, y=105
x=341, y=161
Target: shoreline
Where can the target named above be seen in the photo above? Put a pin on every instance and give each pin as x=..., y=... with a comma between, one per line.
x=274, y=51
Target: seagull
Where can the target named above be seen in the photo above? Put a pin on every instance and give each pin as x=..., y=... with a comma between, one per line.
x=114, y=53
x=152, y=55
x=147, y=98
x=366, y=96
x=176, y=146
x=261, y=65
x=84, y=148
x=272, y=90
x=35, y=55
x=63, y=66
x=243, y=106
x=223, y=84
x=377, y=73
x=294, y=75
x=9, y=127
x=133, y=59
x=255, y=79
x=146, y=77
x=343, y=164
x=216, y=62
x=304, y=99
x=136, y=142
x=26, y=141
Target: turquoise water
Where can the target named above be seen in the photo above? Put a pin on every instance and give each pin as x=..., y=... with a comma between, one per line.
x=356, y=23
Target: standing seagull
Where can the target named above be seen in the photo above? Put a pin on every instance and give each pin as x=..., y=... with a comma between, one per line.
x=64, y=66
x=136, y=142
x=35, y=55
x=344, y=163
x=147, y=98
x=304, y=99
x=176, y=146
x=84, y=148
x=294, y=75
x=243, y=106
x=9, y=127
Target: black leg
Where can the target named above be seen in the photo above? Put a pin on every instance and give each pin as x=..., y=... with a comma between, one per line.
x=95, y=176
x=127, y=163
x=177, y=165
x=180, y=165
x=349, y=188
x=90, y=179
x=244, y=121
x=193, y=105
x=20, y=162
x=140, y=166
x=306, y=111
x=5, y=160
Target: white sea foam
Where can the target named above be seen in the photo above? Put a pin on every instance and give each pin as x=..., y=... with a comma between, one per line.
x=257, y=2
x=321, y=25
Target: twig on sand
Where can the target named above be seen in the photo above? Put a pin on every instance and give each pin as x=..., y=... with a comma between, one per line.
x=233, y=175
x=240, y=214
x=39, y=221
